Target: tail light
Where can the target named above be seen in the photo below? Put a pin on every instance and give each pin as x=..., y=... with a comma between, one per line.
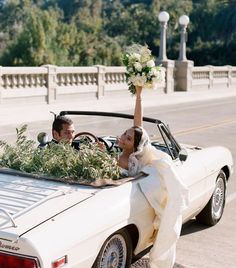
x=59, y=262
x=14, y=261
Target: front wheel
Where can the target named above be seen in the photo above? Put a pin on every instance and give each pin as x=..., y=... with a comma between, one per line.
x=116, y=252
x=213, y=211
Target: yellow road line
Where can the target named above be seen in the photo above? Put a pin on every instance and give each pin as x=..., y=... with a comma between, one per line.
x=204, y=127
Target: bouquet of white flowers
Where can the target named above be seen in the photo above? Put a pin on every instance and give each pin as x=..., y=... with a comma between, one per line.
x=140, y=68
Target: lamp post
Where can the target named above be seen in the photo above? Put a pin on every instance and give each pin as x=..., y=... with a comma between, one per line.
x=163, y=18
x=183, y=21
x=183, y=67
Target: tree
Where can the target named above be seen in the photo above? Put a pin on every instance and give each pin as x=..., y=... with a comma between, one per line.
x=227, y=14
x=208, y=36
x=44, y=40
x=88, y=32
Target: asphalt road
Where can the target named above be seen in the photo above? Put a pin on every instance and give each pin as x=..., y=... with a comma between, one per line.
x=206, y=123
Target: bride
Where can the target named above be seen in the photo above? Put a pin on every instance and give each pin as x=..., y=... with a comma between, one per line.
x=170, y=197
x=137, y=150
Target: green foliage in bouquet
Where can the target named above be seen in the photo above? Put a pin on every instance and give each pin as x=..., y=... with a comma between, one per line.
x=59, y=160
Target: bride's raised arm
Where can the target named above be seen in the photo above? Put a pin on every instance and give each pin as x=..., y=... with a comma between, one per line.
x=138, y=110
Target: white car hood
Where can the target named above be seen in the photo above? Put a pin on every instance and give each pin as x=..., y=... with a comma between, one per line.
x=190, y=147
x=26, y=203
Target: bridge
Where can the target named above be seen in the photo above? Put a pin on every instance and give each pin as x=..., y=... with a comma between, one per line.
x=49, y=83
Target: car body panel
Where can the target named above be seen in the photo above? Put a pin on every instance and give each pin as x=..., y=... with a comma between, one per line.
x=133, y=208
x=24, y=194
x=193, y=174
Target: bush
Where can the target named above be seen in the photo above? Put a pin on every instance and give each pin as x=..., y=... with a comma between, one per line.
x=59, y=160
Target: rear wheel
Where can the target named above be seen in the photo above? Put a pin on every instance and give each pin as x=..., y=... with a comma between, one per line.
x=116, y=252
x=213, y=211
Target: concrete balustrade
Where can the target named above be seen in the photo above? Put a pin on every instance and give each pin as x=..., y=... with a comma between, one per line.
x=209, y=77
x=51, y=83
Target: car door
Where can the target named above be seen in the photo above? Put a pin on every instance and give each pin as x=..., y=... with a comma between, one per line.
x=191, y=172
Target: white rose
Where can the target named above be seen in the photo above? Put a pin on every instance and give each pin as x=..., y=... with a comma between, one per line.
x=161, y=75
x=136, y=57
x=153, y=72
x=145, y=58
x=138, y=66
x=150, y=63
x=138, y=80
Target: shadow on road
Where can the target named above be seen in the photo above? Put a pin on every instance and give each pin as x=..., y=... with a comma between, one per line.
x=144, y=263
x=192, y=226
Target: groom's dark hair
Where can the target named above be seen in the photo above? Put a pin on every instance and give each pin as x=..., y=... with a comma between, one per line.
x=59, y=121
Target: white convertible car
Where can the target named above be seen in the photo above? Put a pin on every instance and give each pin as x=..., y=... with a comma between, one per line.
x=49, y=224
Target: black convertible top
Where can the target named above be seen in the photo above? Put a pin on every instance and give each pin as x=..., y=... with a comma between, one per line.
x=164, y=131
x=109, y=114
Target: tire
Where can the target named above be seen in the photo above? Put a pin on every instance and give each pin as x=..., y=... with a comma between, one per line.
x=116, y=252
x=214, y=209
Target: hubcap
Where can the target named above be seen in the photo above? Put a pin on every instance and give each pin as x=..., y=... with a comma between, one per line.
x=115, y=253
x=218, y=198
x=112, y=260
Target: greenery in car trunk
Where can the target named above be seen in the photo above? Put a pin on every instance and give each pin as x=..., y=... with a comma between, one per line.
x=59, y=160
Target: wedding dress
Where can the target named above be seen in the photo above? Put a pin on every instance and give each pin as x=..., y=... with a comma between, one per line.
x=168, y=200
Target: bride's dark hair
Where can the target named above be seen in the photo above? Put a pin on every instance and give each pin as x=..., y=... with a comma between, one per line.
x=138, y=132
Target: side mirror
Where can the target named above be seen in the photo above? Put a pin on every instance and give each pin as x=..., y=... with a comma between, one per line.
x=183, y=155
x=42, y=139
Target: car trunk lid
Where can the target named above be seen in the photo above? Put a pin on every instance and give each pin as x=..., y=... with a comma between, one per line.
x=27, y=202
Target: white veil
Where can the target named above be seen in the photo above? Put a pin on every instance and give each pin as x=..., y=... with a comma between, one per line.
x=144, y=155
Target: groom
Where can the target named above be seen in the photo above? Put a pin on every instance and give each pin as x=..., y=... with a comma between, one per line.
x=62, y=130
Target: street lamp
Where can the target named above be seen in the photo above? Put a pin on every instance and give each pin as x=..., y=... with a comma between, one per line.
x=183, y=21
x=163, y=18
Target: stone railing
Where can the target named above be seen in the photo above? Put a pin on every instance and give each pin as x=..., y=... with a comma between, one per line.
x=16, y=82
x=208, y=77
x=188, y=77
x=51, y=83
